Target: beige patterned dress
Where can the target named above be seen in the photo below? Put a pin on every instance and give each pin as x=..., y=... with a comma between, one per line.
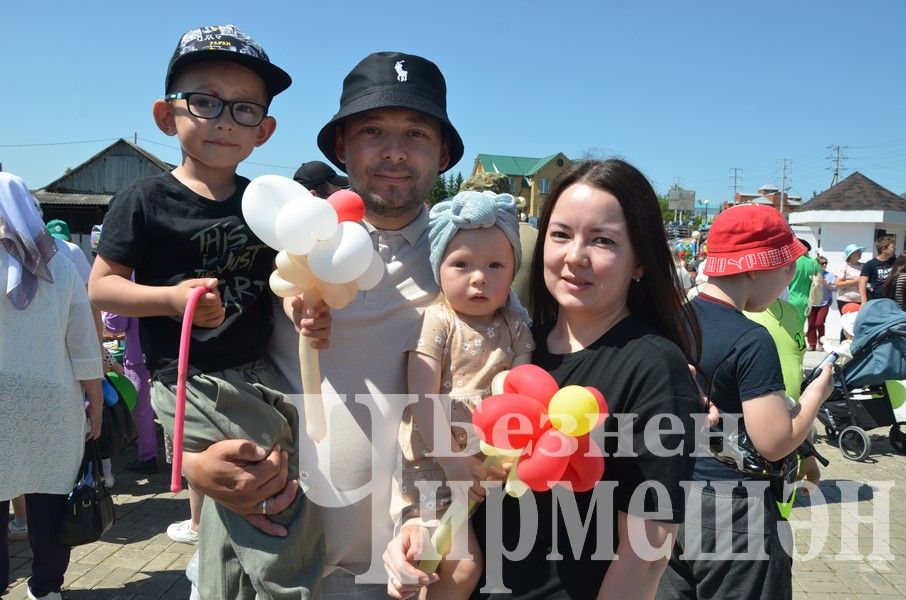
x=470, y=356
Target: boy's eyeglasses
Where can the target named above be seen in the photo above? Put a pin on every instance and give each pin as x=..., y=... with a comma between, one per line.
x=206, y=106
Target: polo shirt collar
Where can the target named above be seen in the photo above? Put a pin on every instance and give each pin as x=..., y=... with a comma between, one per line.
x=411, y=232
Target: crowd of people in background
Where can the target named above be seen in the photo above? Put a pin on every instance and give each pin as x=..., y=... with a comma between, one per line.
x=610, y=303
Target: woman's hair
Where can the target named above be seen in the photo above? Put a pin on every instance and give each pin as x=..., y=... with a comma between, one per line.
x=657, y=298
x=882, y=242
x=890, y=284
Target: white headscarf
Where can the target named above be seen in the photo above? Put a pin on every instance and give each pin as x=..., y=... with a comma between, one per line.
x=25, y=237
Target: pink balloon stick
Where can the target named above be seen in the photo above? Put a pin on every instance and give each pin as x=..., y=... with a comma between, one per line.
x=182, y=368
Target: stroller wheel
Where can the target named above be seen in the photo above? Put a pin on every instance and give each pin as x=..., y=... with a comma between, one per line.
x=898, y=437
x=854, y=443
x=831, y=434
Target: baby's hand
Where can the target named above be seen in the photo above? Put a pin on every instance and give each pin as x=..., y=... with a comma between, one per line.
x=209, y=312
x=469, y=468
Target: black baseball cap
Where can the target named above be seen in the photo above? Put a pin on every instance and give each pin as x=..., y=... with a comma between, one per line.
x=314, y=173
x=392, y=80
x=226, y=42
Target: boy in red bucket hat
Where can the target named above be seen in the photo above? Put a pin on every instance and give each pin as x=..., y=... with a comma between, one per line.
x=751, y=259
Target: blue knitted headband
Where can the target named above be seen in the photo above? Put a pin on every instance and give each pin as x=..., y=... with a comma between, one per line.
x=472, y=210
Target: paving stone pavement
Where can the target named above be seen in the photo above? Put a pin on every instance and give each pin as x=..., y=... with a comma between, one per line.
x=836, y=555
x=135, y=560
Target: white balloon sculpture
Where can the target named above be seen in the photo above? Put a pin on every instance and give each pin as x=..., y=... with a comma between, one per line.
x=323, y=254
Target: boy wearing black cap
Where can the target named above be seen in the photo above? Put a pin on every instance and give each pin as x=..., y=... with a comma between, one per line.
x=184, y=229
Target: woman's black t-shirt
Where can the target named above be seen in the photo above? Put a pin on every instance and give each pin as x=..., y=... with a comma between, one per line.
x=642, y=375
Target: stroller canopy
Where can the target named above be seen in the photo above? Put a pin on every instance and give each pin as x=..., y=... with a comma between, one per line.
x=879, y=344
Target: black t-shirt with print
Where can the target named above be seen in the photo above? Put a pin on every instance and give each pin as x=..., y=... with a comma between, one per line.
x=639, y=372
x=167, y=233
x=877, y=272
x=739, y=362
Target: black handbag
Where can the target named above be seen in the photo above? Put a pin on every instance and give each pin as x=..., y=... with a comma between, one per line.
x=89, y=506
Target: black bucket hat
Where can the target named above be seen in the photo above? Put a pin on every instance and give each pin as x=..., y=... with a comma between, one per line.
x=392, y=80
x=226, y=42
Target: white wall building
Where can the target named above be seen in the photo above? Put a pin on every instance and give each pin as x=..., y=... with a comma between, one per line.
x=855, y=211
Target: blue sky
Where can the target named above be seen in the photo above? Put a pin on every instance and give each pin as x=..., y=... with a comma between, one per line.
x=686, y=90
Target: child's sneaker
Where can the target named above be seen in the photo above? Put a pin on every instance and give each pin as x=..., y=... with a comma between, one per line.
x=17, y=533
x=50, y=596
x=182, y=532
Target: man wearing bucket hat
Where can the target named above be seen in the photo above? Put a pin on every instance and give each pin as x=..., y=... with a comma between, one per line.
x=751, y=260
x=392, y=136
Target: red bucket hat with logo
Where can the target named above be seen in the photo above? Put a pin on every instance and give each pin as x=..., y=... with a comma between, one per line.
x=750, y=237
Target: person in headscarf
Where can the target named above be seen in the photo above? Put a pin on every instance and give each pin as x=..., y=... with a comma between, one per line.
x=49, y=361
x=474, y=330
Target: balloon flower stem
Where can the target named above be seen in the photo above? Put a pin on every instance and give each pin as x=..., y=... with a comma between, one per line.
x=454, y=518
x=309, y=364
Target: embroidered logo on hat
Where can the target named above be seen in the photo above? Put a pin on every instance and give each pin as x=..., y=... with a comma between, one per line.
x=401, y=74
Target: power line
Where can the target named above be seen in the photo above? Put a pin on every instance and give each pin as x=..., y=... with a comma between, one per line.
x=57, y=143
x=245, y=162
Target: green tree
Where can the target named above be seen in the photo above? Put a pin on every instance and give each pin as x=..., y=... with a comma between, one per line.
x=459, y=180
x=666, y=213
x=438, y=192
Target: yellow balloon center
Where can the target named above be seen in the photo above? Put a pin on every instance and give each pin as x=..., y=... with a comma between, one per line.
x=573, y=410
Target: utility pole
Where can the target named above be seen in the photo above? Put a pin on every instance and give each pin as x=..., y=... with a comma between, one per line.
x=783, y=186
x=837, y=156
x=736, y=177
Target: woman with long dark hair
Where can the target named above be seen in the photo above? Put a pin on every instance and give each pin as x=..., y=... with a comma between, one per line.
x=609, y=312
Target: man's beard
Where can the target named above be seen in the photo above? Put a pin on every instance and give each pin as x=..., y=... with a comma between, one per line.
x=406, y=202
x=376, y=204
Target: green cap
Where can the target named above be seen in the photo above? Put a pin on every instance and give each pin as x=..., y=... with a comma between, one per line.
x=59, y=229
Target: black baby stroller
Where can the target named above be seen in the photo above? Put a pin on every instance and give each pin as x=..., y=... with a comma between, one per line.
x=860, y=400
